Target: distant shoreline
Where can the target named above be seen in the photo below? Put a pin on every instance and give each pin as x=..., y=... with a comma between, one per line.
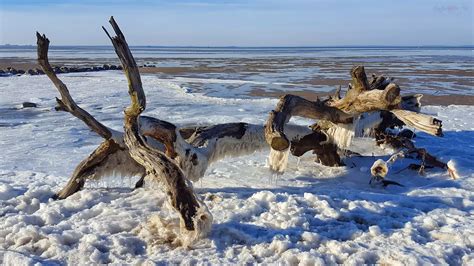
x=443, y=79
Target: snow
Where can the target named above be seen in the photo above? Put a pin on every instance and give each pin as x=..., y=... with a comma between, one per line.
x=309, y=215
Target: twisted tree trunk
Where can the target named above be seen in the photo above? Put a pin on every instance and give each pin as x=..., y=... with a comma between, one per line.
x=193, y=212
x=292, y=105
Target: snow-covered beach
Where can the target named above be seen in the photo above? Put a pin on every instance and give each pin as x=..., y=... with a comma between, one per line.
x=310, y=215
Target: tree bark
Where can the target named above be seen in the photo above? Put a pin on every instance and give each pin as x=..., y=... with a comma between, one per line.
x=318, y=143
x=156, y=163
x=160, y=130
x=379, y=83
x=66, y=103
x=361, y=97
x=292, y=105
x=421, y=122
x=107, y=158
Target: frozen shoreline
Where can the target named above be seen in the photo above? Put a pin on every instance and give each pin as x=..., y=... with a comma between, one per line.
x=313, y=214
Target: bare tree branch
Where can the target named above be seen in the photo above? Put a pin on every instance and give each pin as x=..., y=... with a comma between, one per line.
x=156, y=163
x=292, y=105
x=66, y=103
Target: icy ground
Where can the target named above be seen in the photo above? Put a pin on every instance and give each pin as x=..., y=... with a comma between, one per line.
x=310, y=215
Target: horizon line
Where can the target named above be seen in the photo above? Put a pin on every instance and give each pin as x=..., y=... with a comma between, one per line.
x=251, y=46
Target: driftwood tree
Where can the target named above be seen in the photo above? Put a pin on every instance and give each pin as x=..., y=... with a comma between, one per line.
x=193, y=212
x=174, y=156
x=367, y=106
x=154, y=148
x=130, y=153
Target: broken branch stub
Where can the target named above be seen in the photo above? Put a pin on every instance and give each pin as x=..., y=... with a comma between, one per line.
x=420, y=121
x=318, y=143
x=362, y=97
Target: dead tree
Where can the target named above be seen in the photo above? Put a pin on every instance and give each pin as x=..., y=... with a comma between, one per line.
x=111, y=155
x=164, y=156
x=172, y=155
x=193, y=148
x=193, y=212
x=374, y=105
x=129, y=153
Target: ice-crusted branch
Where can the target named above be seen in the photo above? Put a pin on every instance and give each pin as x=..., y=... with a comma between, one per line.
x=406, y=148
x=292, y=105
x=107, y=159
x=193, y=213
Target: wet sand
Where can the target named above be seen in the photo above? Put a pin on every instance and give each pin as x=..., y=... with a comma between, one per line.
x=305, y=77
x=442, y=100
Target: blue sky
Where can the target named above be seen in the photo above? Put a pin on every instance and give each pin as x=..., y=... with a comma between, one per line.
x=242, y=22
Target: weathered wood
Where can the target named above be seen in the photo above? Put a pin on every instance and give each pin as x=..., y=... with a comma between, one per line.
x=371, y=100
x=189, y=151
x=375, y=100
x=160, y=130
x=192, y=212
x=108, y=158
x=204, y=134
x=66, y=103
x=362, y=97
x=420, y=121
x=359, y=80
x=379, y=83
x=317, y=142
x=327, y=155
x=411, y=102
x=395, y=142
x=389, y=121
x=337, y=94
x=359, y=85
x=358, y=99
x=292, y=105
x=405, y=148
x=410, y=117
x=307, y=143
